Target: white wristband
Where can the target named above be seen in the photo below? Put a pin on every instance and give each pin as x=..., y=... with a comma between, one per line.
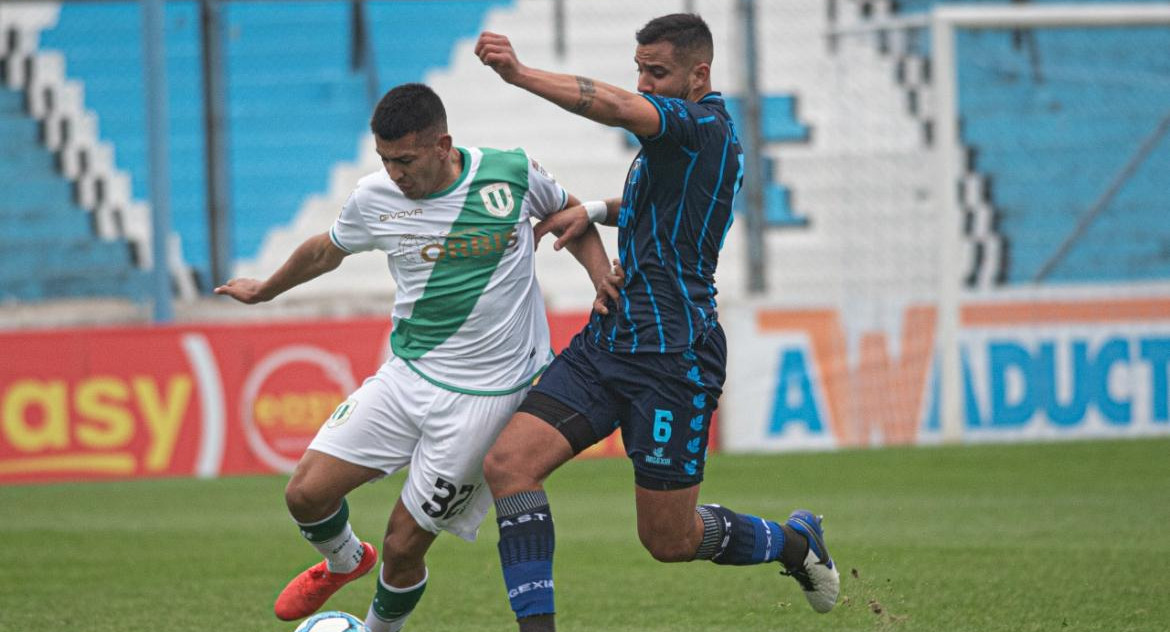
x=597, y=211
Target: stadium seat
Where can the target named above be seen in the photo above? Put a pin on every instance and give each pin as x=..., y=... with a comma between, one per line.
x=1051, y=123
x=295, y=101
x=108, y=63
x=52, y=250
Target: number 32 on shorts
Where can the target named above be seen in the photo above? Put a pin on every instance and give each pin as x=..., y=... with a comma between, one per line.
x=447, y=502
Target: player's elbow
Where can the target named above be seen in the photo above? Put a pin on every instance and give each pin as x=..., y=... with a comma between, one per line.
x=634, y=113
x=327, y=258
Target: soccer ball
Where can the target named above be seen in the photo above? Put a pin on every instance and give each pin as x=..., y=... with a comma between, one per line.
x=333, y=621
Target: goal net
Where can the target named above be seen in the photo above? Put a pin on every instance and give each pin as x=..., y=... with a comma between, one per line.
x=988, y=249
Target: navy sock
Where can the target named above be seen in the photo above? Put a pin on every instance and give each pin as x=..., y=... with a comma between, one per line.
x=738, y=539
x=527, y=540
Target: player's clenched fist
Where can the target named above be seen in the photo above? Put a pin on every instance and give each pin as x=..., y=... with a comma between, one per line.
x=496, y=51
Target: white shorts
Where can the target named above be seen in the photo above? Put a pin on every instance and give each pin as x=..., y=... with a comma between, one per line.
x=396, y=418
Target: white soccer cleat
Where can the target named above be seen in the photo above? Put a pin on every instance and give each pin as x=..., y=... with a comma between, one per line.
x=817, y=575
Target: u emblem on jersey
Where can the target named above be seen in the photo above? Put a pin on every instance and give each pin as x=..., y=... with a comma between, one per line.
x=497, y=199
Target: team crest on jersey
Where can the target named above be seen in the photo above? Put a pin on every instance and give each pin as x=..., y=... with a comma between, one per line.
x=497, y=199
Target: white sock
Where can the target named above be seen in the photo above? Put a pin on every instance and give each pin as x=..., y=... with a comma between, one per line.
x=343, y=552
x=376, y=624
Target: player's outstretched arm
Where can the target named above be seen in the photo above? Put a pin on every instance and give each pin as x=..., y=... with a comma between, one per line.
x=595, y=100
x=316, y=256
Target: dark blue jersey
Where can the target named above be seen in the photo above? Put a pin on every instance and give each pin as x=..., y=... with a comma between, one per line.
x=675, y=213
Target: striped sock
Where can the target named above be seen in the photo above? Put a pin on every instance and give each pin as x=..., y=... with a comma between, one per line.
x=738, y=539
x=527, y=541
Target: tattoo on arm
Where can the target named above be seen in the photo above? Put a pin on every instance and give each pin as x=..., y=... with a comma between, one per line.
x=585, y=85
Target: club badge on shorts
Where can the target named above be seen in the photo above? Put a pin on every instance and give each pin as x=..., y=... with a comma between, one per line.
x=341, y=413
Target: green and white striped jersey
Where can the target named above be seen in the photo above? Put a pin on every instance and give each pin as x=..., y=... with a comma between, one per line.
x=468, y=314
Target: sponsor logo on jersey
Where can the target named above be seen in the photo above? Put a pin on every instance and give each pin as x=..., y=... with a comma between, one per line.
x=497, y=199
x=674, y=106
x=469, y=245
x=385, y=217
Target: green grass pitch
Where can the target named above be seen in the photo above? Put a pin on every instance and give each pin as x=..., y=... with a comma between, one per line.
x=1046, y=537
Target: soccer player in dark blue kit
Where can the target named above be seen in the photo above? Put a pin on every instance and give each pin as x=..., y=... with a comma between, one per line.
x=653, y=364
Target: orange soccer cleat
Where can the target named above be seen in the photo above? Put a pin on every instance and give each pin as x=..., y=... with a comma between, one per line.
x=307, y=592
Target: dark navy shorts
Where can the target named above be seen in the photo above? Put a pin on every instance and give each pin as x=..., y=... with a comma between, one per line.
x=662, y=402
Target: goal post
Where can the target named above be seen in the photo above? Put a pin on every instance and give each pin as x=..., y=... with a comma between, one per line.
x=986, y=256
x=944, y=21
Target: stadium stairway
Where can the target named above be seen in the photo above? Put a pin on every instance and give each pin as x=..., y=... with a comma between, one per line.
x=832, y=126
x=104, y=235
x=1070, y=133
x=52, y=251
x=589, y=161
x=1050, y=117
x=107, y=63
x=296, y=104
x=861, y=177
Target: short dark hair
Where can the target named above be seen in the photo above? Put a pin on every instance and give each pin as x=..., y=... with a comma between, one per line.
x=687, y=32
x=410, y=107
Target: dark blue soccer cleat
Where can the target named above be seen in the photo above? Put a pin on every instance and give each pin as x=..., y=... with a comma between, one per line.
x=817, y=575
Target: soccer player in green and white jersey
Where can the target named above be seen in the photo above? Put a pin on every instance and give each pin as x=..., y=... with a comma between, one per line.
x=469, y=337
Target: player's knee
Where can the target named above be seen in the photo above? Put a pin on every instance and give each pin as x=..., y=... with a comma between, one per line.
x=306, y=504
x=403, y=559
x=398, y=555
x=502, y=472
x=666, y=549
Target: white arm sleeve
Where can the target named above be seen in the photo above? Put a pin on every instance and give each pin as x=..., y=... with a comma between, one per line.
x=349, y=231
x=546, y=195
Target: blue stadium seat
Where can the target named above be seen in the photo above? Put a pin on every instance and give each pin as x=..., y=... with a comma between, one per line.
x=296, y=104
x=779, y=124
x=1051, y=125
x=102, y=44
x=50, y=249
x=921, y=6
x=90, y=282
x=777, y=117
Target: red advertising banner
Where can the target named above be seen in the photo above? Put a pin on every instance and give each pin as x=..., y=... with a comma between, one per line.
x=174, y=401
x=205, y=400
